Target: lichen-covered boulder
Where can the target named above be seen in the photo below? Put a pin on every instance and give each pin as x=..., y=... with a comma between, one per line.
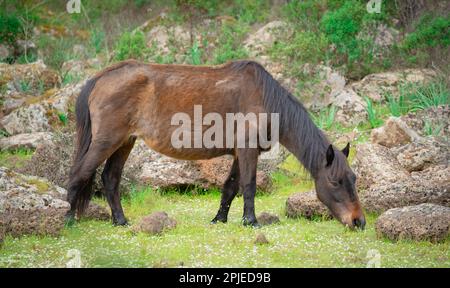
x=421, y=222
x=394, y=132
x=27, y=140
x=374, y=164
x=30, y=205
x=306, y=204
x=376, y=85
x=419, y=155
x=155, y=223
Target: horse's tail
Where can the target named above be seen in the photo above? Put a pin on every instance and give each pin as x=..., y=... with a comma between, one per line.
x=80, y=194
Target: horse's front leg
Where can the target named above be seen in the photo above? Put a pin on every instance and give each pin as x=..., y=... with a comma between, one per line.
x=248, y=160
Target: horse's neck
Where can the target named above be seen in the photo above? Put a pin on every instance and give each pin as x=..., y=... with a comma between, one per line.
x=306, y=142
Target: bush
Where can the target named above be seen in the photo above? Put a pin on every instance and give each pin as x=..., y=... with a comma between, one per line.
x=229, y=46
x=430, y=32
x=131, y=45
x=342, y=25
x=304, y=47
x=10, y=28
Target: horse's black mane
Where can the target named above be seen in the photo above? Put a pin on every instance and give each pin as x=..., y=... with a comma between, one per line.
x=309, y=142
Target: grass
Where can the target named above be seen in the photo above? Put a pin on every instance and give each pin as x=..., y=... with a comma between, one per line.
x=324, y=119
x=372, y=114
x=413, y=97
x=15, y=158
x=196, y=243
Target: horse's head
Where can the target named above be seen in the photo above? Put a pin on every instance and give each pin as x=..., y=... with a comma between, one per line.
x=335, y=187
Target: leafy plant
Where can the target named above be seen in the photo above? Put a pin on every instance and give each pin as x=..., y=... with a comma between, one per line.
x=25, y=86
x=131, y=45
x=63, y=118
x=229, y=45
x=324, y=119
x=432, y=130
x=372, y=114
x=430, y=32
x=10, y=27
x=195, y=54
x=397, y=105
x=429, y=95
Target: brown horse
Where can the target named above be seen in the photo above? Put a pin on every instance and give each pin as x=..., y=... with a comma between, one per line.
x=132, y=99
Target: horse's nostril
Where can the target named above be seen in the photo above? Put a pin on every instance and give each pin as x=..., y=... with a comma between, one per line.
x=359, y=223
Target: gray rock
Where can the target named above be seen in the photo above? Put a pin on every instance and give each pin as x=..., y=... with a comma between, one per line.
x=30, y=205
x=261, y=239
x=376, y=164
x=264, y=37
x=393, y=133
x=151, y=168
x=384, y=196
x=29, y=140
x=155, y=223
x=26, y=119
x=376, y=85
x=421, y=222
x=266, y=218
x=306, y=204
x=351, y=107
x=417, y=156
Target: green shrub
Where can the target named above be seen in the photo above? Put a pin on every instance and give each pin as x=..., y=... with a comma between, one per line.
x=250, y=11
x=342, y=25
x=57, y=50
x=305, y=14
x=131, y=45
x=229, y=45
x=430, y=32
x=305, y=47
x=97, y=40
x=10, y=28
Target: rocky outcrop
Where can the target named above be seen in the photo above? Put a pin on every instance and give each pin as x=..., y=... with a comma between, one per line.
x=306, y=204
x=394, y=132
x=148, y=167
x=408, y=170
x=30, y=78
x=264, y=37
x=43, y=113
x=155, y=223
x=30, y=205
x=421, y=222
x=27, y=141
x=375, y=164
x=375, y=86
x=34, y=205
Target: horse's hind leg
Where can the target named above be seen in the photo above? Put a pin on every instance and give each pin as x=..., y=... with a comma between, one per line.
x=111, y=179
x=229, y=191
x=79, y=190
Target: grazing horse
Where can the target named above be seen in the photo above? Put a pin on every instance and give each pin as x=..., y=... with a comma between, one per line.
x=132, y=99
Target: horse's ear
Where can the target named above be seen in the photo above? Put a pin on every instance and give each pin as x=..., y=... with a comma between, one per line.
x=346, y=150
x=330, y=155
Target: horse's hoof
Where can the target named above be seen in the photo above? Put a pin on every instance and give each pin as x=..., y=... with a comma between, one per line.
x=217, y=220
x=121, y=222
x=252, y=223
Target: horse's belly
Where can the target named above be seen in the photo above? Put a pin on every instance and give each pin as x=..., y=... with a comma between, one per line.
x=185, y=153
